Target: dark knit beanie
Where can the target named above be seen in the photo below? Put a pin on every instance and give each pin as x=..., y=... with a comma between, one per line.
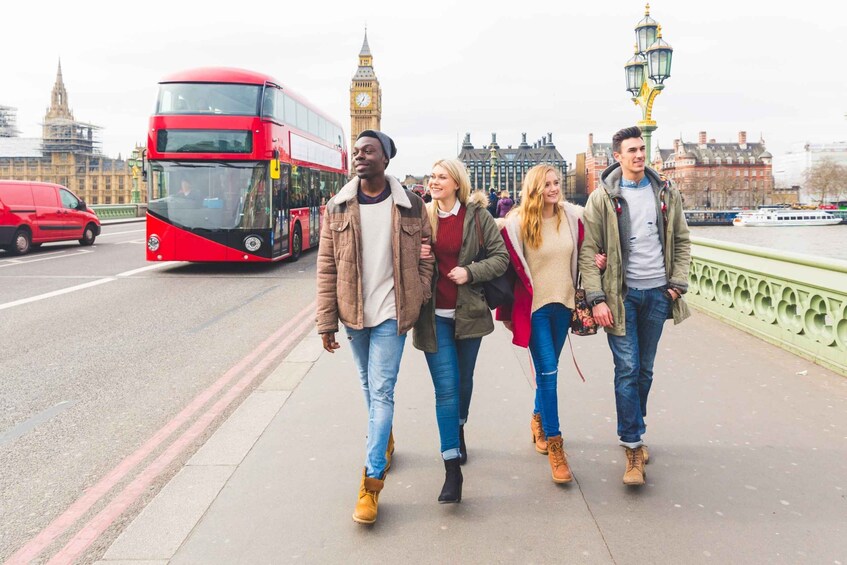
x=388, y=147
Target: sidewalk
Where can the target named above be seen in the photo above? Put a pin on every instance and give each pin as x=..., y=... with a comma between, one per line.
x=748, y=465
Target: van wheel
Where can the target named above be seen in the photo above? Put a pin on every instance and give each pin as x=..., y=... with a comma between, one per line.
x=296, y=243
x=22, y=242
x=88, y=235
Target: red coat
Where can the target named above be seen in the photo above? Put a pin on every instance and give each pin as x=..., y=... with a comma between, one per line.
x=520, y=311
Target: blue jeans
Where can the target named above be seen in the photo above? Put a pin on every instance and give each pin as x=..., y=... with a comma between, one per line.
x=634, y=353
x=377, y=352
x=451, y=368
x=549, y=329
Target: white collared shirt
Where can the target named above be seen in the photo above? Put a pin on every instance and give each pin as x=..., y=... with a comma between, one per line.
x=453, y=212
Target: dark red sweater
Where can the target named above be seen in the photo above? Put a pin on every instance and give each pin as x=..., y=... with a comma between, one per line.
x=447, y=248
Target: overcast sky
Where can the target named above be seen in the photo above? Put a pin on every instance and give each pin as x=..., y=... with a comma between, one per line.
x=448, y=67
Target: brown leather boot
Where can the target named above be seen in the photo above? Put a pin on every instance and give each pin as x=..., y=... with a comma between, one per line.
x=366, y=507
x=538, y=437
x=644, y=453
x=389, y=451
x=634, y=474
x=558, y=460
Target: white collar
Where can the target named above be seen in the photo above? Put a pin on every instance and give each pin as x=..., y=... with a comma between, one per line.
x=453, y=212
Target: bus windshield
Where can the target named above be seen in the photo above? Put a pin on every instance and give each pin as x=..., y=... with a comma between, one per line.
x=211, y=195
x=206, y=98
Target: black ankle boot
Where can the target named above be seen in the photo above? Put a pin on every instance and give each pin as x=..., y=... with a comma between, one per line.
x=463, y=451
x=452, y=489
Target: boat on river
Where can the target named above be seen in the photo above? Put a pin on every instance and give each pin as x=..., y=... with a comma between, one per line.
x=766, y=217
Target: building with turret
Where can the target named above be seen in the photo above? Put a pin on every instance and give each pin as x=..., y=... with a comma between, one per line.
x=504, y=168
x=68, y=153
x=713, y=174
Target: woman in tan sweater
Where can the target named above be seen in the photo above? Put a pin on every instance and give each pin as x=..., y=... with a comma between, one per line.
x=542, y=236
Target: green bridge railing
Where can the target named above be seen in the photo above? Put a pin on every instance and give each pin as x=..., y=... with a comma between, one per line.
x=119, y=211
x=796, y=302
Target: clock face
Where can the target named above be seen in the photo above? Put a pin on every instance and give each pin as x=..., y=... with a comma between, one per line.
x=363, y=100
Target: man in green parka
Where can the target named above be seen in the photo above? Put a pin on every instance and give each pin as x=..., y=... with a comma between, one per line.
x=636, y=218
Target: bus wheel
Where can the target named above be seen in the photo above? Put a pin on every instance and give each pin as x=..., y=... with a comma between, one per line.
x=296, y=243
x=21, y=243
x=88, y=235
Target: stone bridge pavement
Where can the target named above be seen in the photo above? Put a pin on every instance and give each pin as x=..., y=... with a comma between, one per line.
x=748, y=465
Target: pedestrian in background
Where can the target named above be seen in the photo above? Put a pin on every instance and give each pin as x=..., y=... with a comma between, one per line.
x=637, y=218
x=492, y=202
x=542, y=236
x=453, y=322
x=372, y=277
x=505, y=204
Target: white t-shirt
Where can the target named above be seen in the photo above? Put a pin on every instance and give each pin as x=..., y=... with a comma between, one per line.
x=377, y=263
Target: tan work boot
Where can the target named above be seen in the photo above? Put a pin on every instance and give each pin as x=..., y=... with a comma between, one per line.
x=634, y=474
x=366, y=507
x=538, y=437
x=558, y=460
x=389, y=451
x=644, y=453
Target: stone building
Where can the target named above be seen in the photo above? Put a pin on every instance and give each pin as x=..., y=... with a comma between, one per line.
x=720, y=175
x=508, y=165
x=68, y=153
x=365, y=97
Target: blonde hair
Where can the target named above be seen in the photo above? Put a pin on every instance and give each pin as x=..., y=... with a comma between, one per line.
x=532, y=204
x=457, y=171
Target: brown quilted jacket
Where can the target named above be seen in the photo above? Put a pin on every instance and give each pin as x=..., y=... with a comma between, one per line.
x=340, y=259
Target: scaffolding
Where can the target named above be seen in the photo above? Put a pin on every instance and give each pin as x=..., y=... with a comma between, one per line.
x=62, y=135
x=8, y=118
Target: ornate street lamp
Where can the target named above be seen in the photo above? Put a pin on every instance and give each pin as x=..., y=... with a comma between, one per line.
x=135, y=162
x=635, y=73
x=646, y=72
x=659, y=57
x=492, y=159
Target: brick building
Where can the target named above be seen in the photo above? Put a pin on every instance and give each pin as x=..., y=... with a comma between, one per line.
x=719, y=175
x=598, y=156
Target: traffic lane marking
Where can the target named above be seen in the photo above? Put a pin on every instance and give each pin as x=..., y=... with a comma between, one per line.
x=55, y=293
x=13, y=262
x=92, y=495
x=33, y=422
x=82, y=286
x=95, y=527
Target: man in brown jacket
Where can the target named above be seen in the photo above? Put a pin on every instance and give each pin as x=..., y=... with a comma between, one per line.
x=372, y=278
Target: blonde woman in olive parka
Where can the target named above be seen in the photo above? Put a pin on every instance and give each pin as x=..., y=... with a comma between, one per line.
x=450, y=327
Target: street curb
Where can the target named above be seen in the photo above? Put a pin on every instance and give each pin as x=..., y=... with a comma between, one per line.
x=121, y=221
x=159, y=530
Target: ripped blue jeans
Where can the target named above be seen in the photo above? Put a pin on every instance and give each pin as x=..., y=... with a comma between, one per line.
x=549, y=329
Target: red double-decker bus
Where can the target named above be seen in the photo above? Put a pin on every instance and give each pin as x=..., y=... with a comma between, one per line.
x=238, y=168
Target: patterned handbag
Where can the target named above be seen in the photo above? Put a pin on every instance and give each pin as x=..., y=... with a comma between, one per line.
x=582, y=320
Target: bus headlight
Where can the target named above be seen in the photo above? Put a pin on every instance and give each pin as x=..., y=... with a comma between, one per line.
x=153, y=243
x=252, y=243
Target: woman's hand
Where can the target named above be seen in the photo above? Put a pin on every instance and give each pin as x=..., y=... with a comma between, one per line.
x=459, y=275
x=426, y=249
x=600, y=260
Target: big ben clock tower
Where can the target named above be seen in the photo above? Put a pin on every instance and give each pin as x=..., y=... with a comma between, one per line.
x=365, y=96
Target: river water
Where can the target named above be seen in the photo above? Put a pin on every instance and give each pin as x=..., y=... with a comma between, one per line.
x=821, y=241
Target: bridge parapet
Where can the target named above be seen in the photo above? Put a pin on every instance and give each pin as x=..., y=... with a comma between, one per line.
x=796, y=302
x=119, y=211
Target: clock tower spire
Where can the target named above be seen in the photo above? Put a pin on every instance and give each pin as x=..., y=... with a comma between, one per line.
x=365, y=96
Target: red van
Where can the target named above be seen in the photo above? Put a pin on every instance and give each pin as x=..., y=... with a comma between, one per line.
x=32, y=213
